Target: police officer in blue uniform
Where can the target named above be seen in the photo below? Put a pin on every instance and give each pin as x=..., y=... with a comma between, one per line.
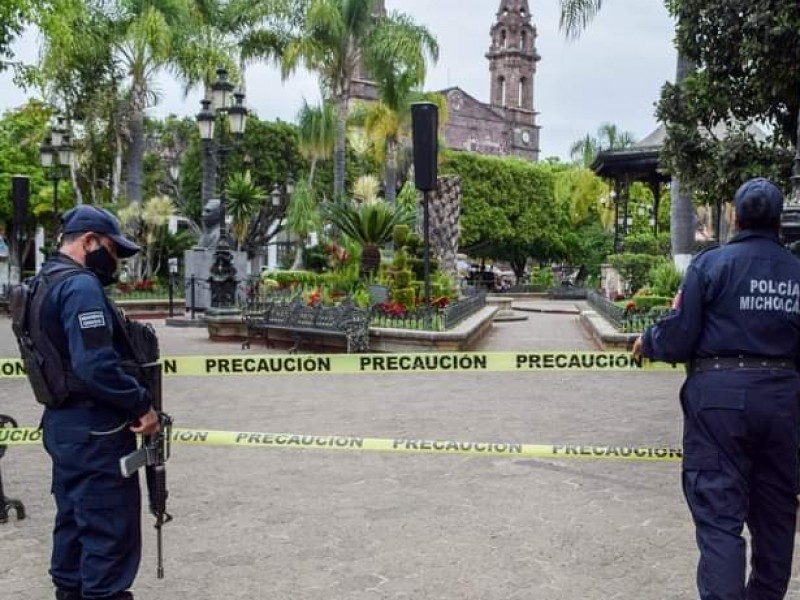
x=737, y=326
x=96, y=539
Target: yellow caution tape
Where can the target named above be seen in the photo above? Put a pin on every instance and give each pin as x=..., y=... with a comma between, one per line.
x=249, y=439
x=313, y=364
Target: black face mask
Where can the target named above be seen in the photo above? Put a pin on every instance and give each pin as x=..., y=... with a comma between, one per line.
x=103, y=264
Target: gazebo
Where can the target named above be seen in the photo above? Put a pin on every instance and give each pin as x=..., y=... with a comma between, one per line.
x=640, y=162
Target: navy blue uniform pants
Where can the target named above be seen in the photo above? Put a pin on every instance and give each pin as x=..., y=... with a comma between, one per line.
x=740, y=467
x=97, y=534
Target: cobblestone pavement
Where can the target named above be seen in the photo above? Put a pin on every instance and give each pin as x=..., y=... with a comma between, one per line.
x=308, y=525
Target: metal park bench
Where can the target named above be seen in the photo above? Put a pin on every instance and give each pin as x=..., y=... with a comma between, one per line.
x=306, y=323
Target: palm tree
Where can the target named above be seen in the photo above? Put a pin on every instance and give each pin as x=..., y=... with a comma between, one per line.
x=316, y=134
x=575, y=16
x=149, y=223
x=399, y=76
x=608, y=137
x=388, y=125
x=585, y=150
x=334, y=37
x=146, y=41
x=243, y=200
x=369, y=225
x=302, y=218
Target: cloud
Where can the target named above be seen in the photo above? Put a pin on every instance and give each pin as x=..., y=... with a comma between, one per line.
x=613, y=73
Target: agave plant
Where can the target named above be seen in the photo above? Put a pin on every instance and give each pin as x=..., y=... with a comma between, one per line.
x=370, y=225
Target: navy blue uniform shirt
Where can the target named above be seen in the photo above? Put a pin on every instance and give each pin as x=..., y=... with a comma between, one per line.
x=742, y=298
x=77, y=317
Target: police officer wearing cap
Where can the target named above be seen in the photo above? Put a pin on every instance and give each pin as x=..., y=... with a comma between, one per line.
x=737, y=326
x=96, y=539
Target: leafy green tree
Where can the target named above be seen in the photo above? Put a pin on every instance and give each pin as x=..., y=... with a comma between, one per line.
x=509, y=210
x=755, y=80
x=333, y=38
x=21, y=134
x=13, y=16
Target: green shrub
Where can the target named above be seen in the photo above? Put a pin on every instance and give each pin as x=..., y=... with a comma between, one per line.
x=542, y=277
x=413, y=243
x=338, y=281
x=361, y=298
x=400, y=259
x=647, y=243
x=645, y=303
x=634, y=268
x=315, y=258
x=404, y=296
x=665, y=279
x=402, y=279
x=290, y=278
x=401, y=233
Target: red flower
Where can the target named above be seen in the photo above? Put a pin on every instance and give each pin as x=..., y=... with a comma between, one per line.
x=392, y=309
x=440, y=302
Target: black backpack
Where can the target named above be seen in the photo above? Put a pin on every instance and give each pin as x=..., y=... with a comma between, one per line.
x=43, y=363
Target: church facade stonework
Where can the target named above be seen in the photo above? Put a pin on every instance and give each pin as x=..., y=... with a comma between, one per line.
x=506, y=125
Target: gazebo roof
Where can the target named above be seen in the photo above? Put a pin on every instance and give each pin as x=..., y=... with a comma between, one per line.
x=640, y=162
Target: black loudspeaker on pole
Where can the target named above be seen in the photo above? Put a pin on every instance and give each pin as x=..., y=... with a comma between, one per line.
x=20, y=197
x=425, y=126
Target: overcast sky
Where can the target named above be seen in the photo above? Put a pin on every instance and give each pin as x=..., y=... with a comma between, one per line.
x=612, y=73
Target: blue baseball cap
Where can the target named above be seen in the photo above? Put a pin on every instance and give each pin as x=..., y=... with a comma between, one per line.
x=759, y=199
x=86, y=218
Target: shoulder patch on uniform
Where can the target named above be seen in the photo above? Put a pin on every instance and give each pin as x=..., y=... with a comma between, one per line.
x=92, y=319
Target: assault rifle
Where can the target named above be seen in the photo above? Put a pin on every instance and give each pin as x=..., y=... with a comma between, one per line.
x=155, y=449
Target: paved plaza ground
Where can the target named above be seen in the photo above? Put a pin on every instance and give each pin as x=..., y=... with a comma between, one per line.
x=284, y=524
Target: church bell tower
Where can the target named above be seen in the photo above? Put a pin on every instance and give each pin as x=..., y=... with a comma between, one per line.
x=512, y=67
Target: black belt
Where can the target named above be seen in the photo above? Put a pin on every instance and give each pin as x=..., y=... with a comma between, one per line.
x=721, y=363
x=82, y=403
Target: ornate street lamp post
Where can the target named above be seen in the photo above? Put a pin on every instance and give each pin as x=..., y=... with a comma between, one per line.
x=222, y=277
x=55, y=155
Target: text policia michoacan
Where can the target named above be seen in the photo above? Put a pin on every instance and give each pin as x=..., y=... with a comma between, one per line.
x=767, y=295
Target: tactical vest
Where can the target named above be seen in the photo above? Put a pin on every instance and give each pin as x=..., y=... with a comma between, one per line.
x=49, y=376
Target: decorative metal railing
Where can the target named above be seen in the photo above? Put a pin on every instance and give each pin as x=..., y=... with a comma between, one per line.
x=626, y=321
x=382, y=314
x=463, y=308
x=567, y=292
x=607, y=309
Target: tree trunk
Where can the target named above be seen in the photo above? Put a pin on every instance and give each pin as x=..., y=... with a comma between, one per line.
x=312, y=172
x=116, y=167
x=391, y=171
x=76, y=189
x=682, y=209
x=370, y=259
x=136, y=150
x=340, y=148
x=298, y=256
